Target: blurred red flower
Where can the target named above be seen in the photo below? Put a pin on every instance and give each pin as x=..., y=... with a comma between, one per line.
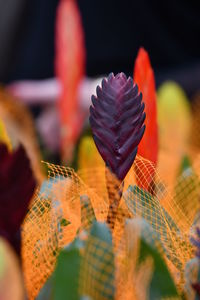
x=17, y=185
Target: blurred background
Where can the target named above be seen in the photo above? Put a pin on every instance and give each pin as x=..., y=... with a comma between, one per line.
x=54, y=52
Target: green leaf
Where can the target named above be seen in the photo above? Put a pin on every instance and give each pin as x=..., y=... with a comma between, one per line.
x=187, y=189
x=185, y=164
x=46, y=291
x=143, y=204
x=66, y=276
x=162, y=284
x=87, y=212
x=97, y=272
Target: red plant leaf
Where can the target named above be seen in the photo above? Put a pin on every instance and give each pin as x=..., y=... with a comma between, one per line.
x=116, y=119
x=144, y=77
x=70, y=69
x=17, y=185
x=148, y=148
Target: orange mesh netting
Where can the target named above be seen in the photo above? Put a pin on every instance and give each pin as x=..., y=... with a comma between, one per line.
x=66, y=204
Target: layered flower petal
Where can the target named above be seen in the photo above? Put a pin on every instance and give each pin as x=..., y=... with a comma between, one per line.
x=116, y=118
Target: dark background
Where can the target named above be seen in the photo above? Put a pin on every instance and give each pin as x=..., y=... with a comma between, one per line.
x=114, y=31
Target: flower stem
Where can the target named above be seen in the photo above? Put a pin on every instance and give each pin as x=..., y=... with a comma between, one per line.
x=115, y=189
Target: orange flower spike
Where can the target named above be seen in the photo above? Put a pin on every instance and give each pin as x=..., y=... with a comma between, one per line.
x=70, y=69
x=144, y=77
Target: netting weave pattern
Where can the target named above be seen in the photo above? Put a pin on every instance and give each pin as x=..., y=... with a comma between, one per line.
x=69, y=202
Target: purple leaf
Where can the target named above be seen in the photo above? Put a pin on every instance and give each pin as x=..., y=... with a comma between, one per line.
x=17, y=185
x=117, y=121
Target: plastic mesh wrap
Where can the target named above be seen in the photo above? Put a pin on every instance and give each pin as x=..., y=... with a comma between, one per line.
x=65, y=205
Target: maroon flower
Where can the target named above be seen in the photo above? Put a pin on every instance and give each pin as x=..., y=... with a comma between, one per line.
x=116, y=119
x=17, y=185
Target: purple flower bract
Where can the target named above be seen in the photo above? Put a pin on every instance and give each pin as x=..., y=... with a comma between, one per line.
x=117, y=121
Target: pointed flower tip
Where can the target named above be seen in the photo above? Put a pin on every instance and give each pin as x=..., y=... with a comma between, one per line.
x=117, y=122
x=117, y=81
x=142, y=51
x=143, y=56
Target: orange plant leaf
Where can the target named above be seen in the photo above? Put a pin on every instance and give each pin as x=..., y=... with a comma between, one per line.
x=70, y=69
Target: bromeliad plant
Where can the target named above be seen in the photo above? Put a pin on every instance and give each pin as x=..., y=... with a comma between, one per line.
x=110, y=252
x=90, y=267
x=116, y=118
